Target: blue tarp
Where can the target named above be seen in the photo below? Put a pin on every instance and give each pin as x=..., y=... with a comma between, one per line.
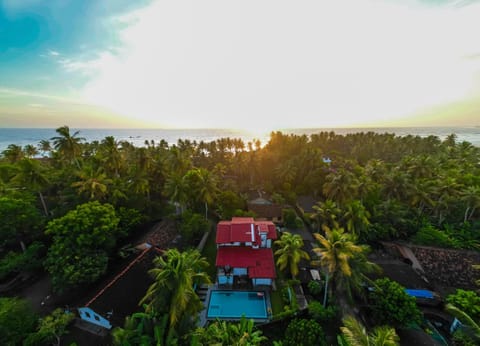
x=420, y=293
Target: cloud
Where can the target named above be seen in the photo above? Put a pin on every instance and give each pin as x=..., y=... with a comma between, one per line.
x=303, y=64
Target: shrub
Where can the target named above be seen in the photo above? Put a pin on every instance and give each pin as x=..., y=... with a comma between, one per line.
x=392, y=305
x=315, y=287
x=302, y=332
x=468, y=301
x=17, y=320
x=320, y=313
x=429, y=235
x=193, y=226
x=289, y=218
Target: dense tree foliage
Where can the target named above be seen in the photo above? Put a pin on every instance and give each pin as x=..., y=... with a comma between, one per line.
x=373, y=186
x=17, y=320
x=392, y=305
x=468, y=301
x=81, y=241
x=303, y=332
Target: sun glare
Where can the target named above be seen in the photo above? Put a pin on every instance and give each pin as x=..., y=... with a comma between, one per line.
x=264, y=78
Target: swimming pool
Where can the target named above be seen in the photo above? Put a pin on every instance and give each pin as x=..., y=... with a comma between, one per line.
x=235, y=304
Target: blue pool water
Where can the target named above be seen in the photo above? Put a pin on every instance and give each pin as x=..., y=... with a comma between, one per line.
x=235, y=304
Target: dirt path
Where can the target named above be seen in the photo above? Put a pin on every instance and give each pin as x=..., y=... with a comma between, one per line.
x=40, y=296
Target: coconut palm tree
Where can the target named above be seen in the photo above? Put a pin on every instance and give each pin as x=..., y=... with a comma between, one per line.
x=207, y=188
x=30, y=151
x=326, y=214
x=92, y=183
x=173, y=291
x=176, y=190
x=290, y=252
x=242, y=333
x=471, y=197
x=45, y=147
x=355, y=334
x=68, y=145
x=344, y=261
x=356, y=217
x=339, y=186
x=111, y=155
x=13, y=153
x=33, y=176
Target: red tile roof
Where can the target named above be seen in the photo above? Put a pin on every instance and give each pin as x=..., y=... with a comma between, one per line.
x=259, y=262
x=240, y=230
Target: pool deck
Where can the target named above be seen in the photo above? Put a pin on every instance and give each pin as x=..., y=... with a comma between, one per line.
x=204, y=319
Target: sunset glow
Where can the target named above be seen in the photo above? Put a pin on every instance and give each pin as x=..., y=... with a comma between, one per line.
x=256, y=65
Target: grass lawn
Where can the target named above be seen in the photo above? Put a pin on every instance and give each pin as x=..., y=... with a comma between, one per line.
x=210, y=253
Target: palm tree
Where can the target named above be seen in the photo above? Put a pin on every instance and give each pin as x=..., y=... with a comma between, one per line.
x=68, y=145
x=344, y=261
x=175, y=275
x=176, y=190
x=93, y=183
x=207, y=188
x=327, y=212
x=32, y=175
x=111, y=156
x=13, y=153
x=30, y=151
x=242, y=333
x=356, y=217
x=356, y=335
x=45, y=147
x=339, y=186
x=290, y=252
x=471, y=197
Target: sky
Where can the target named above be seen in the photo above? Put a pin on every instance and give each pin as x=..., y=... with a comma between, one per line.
x=251, y=64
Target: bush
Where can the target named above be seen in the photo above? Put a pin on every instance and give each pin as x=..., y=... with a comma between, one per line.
x=193, y=226
x=129, y=220
x=468, y=301
x=429, y=235
x=289, y=218
x=320, y=313
x=392, y=305
x=17, y=320
x=14, y=262
x=301, y=332
x=460, y=338
x=315, y=287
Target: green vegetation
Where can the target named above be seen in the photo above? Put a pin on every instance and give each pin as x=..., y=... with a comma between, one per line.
x=173, y=291
x=290, y=252
x=303, y=332
x=225, y=333
x=81, y=241
x=468, y=301
x=17, y=320
x=81, y=200
x=392, y=305
x=354, y=334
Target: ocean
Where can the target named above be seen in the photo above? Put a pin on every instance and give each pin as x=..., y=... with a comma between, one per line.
x=24, y=136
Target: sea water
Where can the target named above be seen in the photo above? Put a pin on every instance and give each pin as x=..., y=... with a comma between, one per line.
x=24, y=136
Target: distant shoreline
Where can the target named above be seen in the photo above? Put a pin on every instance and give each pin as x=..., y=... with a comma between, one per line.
x=24, y=136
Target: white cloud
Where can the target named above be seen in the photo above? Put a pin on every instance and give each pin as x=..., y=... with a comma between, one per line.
x=279, y=64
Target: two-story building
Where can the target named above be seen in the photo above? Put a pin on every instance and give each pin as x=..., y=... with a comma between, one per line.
x=244, y=252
